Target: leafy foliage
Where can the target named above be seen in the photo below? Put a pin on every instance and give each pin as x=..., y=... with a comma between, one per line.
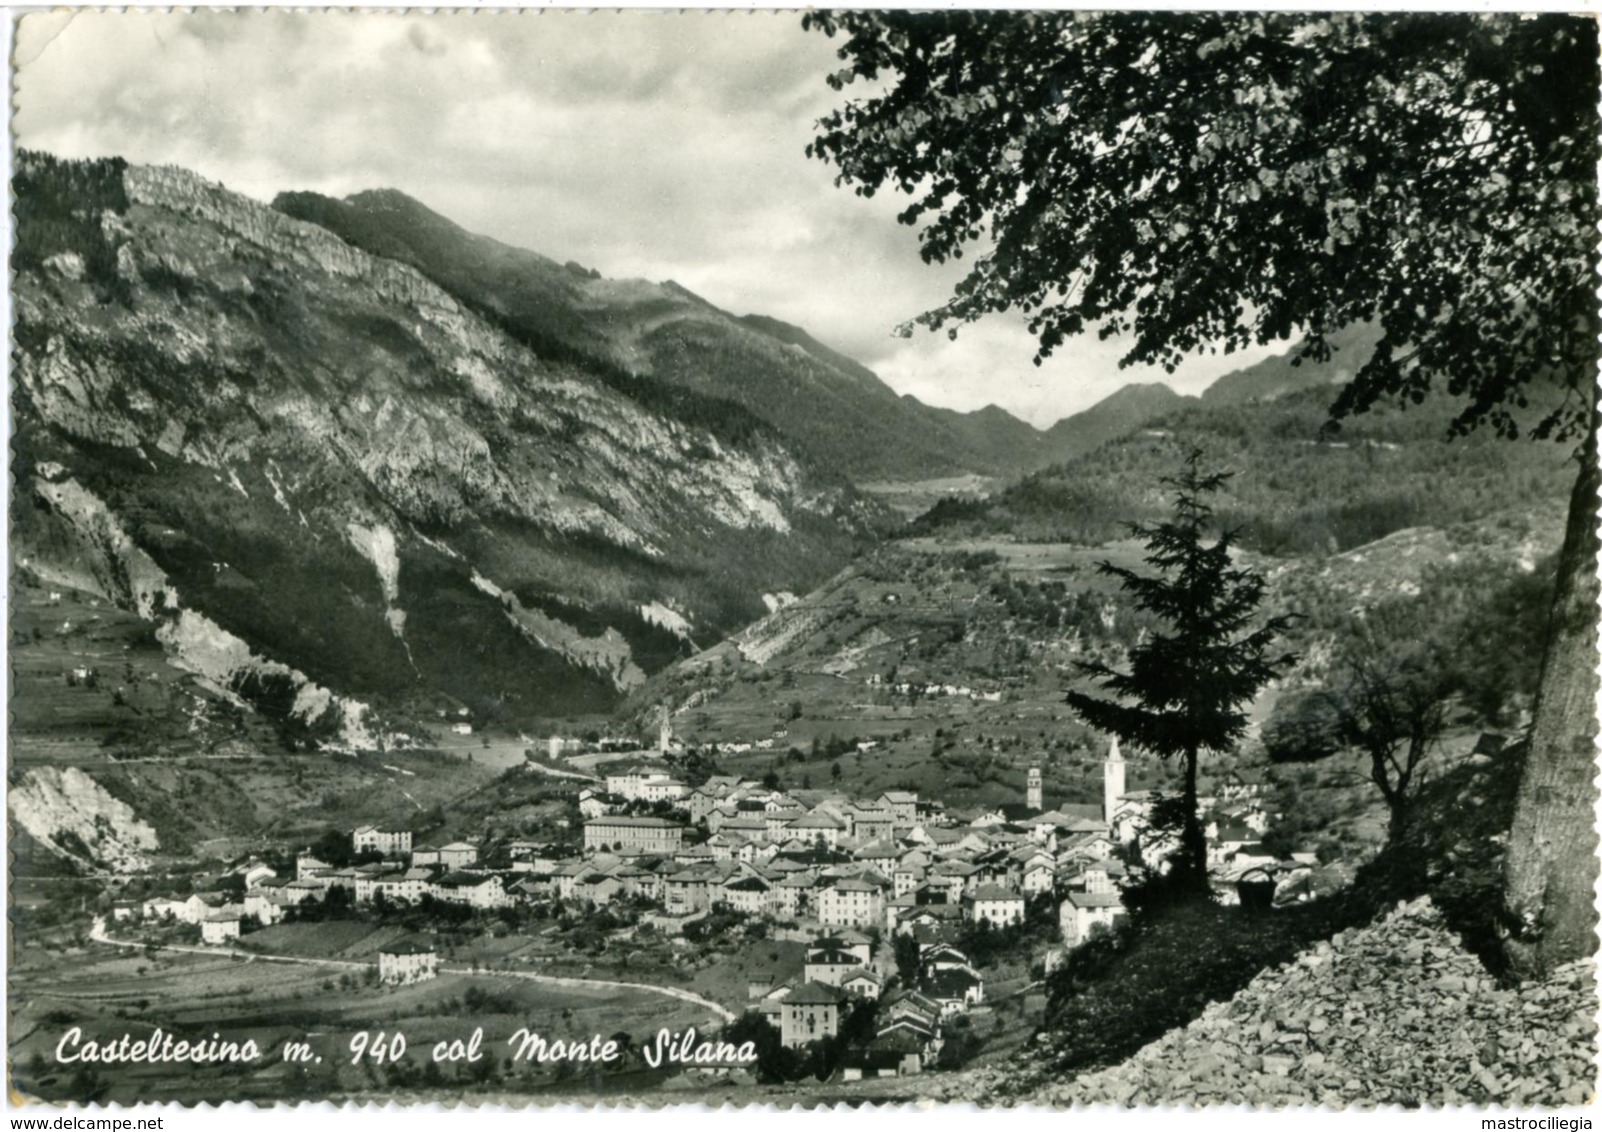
x=1201, y=178
x=1390, y=703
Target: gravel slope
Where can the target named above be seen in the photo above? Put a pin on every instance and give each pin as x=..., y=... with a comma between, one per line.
x=1394, y=1013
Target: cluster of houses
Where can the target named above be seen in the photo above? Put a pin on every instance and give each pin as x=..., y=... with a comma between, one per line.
x=811, y=861
x=932, y=691
x=254, y=892
x=895, y=862
x=841, y=971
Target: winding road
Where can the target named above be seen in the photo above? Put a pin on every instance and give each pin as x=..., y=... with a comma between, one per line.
x=97, y=932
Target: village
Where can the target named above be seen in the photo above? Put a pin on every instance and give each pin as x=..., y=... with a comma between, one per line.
x=903, y=904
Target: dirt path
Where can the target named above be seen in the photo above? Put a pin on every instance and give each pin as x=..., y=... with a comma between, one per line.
x=97, y=932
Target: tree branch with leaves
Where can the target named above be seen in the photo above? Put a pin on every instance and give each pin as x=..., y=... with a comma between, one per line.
x=1203, y=181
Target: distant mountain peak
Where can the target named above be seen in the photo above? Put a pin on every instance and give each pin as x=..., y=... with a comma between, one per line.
x=1274, y=377
x=1118, y=414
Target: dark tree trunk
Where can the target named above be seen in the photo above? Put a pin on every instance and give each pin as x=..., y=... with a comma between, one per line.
x=1192, y=841
x=1397, y=828
x=1552, y=849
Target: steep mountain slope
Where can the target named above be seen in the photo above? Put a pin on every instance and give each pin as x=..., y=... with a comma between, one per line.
x=330, y=484
x=1116, y=415
x=999, y=439
x=821, y=401
x=1274, y=377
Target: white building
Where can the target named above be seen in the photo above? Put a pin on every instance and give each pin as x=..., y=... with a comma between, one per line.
x=456, y=855
x=219, y=927
x=645, y=784
x=850, y=903
x=1082, y=911
x=389, y=842
x=1000, y=906
x=409, y=962
x=1112, y=782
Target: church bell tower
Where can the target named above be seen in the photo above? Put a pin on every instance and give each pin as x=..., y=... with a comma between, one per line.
x=1112, y=781
x=1035, y=795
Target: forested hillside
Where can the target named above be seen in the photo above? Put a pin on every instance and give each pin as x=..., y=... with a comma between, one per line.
x=1300, y=488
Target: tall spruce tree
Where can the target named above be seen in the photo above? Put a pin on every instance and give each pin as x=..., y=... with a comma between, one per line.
x=1186, y=686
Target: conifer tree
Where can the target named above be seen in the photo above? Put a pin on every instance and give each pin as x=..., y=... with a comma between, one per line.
x=1187, y=684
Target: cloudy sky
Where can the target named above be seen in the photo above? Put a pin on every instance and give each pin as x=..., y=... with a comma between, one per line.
x=652, y=144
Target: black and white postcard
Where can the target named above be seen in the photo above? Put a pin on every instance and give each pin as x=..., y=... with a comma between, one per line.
x=780, y=559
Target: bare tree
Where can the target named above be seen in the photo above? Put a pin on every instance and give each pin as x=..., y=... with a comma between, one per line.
x=1393, y=709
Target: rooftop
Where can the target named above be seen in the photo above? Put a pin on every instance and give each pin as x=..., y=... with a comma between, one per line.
x=815, y=994
x=995, y=892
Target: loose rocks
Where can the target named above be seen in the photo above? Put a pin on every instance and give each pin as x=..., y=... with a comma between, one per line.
x=1395, y=1013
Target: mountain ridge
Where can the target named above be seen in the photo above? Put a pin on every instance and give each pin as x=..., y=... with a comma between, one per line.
x=818, y=398
x=313, y=467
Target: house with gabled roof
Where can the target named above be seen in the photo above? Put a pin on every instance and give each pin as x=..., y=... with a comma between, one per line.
x=847, y=940
x=307, y=864
x=565, y=879
x=1000, y=907
x=911, y=1006
x=1247, y=782
x=747, y=893
x=850, y=903
x=881, y=854
x=1035, y=876
x=873, y=822
x=811, y=1013
x=743, y=829
x=688, y=890
x=907, y=878
x=455, y=855
x=597, y=888
x=407, y=961
x=902, y=804
x=943, y=957
x=370, y=884
x=475, y=889
x=200, y=905
x=862, y=983
x=1087, y=846
x=956, y=989
x=790, y=898
x=594, y=803
x=954, y=876
x=1082, y=911
x=221, y=927
x=829, y=966
x=375, y=839
x=818, y=827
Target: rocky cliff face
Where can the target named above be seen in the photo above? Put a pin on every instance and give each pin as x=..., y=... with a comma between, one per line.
x=72, y=815
x=319, y=470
